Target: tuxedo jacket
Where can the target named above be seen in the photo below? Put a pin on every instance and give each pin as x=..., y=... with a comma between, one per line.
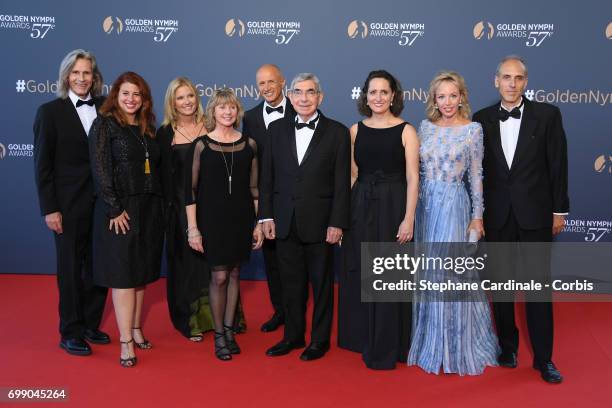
x=253, y=126
x=315, y=192
x=61, y=160
x=535, y=185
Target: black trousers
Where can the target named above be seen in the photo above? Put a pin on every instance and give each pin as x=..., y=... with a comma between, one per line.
x=273, y=276
x=81, y=303
x=299, y=263
x=540, y=313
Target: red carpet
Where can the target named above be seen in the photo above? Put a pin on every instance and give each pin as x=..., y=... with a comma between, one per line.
x=183, y=374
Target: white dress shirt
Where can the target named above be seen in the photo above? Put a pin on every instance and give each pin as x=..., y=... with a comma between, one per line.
x=271, y=117
x=87, y=113
x=509, y=132
x=303, y=136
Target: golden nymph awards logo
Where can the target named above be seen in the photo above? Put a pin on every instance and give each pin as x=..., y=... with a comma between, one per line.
x=609, y=31
x=534, y=33
x=38, y=26
x=603, y=164
x=357, y=28
x=483, y=29
x=112, y=24
x=593, y=230
x=2, y=151
x=162, y=29
x=234, y=26
x=406, y=33
x=281, y=31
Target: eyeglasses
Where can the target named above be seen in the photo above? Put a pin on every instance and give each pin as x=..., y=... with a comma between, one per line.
x=299, y=93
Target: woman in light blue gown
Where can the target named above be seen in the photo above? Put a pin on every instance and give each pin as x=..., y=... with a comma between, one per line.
x=452, y=336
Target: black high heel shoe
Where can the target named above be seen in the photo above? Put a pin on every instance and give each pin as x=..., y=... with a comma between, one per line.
x=232, y=346
x=221, y=350
x=130, y=361
x=146, y=344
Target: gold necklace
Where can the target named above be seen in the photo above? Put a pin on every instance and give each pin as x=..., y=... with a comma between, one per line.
x=143, y=142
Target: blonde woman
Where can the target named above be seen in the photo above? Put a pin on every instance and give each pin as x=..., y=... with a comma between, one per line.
x=450, y=336
x=221, y=202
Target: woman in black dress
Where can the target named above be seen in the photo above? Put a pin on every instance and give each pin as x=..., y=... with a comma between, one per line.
x=385, y=179
x=188, y=272
x=128, y=237
x=221, y=202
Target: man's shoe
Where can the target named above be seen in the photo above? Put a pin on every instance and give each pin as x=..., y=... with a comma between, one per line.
x=274, y=323
x=507, y=359
x=314, y=351
x=76, y=347
x=284, y=347
x=96, y=336
x=549, y=372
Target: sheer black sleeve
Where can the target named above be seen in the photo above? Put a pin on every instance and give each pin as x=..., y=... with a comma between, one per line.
x=254, y=180
x=192, y=177
x=101, y=156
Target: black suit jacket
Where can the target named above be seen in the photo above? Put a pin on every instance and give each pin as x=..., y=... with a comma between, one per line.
x=317, y=191
x=535, y=185
x=61, y=160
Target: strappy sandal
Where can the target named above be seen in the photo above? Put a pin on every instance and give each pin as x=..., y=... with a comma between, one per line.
x=130, y=361
x=146, y=344
x=196, y=338
x=221, y=350
x=230, y=341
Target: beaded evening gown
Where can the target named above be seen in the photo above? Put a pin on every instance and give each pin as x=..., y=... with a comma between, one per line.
x=455, y=336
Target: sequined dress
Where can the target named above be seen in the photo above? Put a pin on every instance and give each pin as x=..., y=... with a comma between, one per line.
x=454, y=336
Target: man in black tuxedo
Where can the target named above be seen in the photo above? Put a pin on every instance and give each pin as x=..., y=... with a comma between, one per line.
x=304, y=203
x=275, y=106
x=525, y=195
x=65, y=192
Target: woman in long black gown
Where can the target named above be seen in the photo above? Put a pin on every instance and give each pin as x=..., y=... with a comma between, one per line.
x=221, y=203
x=188, y=272
x=385, y=178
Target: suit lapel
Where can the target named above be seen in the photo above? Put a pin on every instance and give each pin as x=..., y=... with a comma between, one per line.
x=259, y=118
x=495, y=135
x=73, y=116
x=290, y=132
x=528, y=125
x=316, y=137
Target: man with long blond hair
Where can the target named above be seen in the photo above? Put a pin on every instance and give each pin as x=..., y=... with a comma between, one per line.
x=65, y=192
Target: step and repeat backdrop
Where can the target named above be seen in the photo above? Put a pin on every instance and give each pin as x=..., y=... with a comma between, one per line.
x=568, y=47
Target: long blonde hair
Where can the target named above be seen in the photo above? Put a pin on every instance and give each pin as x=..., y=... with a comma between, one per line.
x=170, y=113
x=431, y=111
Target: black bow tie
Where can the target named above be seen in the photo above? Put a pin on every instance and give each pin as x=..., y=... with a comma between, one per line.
x=82, y=102
x=270, y=109
x=504, y=114
x=311, y=125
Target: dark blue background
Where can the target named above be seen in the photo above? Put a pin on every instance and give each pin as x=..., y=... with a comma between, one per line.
x=576, y=57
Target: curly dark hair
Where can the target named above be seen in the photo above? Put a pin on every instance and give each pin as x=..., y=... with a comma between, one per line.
x=397, y=104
